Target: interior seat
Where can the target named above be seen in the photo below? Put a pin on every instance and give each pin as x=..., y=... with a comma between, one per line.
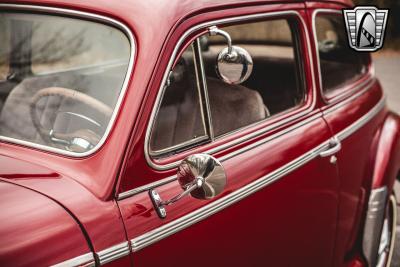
x=179, y=119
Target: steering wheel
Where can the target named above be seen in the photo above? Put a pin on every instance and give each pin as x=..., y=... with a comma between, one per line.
x=80, y=140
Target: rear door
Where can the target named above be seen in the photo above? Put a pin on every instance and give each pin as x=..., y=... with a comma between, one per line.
x=279, y=206
x=354, y=110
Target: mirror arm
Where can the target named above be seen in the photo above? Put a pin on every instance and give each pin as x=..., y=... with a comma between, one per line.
x=197, y=183
x=213, y=30
x=159, y=204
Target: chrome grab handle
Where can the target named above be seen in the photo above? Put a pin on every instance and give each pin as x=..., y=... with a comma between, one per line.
x=334, y=147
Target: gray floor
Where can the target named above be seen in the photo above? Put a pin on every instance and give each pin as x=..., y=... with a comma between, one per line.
x=387, y=69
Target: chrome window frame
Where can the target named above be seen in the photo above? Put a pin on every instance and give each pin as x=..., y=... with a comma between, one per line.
x=203, y=103
x=243, y=18
x=86, y=16
x=369, y=75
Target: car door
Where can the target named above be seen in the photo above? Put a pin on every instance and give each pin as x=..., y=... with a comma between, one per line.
x=354, y=110
x=279, y=206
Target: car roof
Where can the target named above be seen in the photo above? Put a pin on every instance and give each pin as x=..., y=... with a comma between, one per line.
x=156, y=10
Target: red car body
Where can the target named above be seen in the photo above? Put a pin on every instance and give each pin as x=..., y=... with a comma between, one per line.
x=283, y=204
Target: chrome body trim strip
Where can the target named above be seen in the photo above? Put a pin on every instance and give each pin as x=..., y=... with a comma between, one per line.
x=362, y=121
x=85, y=260
x=370, y=73
x=172, y=227
x=222, y=159
x=94, y=17
x=113, y=253
x=249, y=136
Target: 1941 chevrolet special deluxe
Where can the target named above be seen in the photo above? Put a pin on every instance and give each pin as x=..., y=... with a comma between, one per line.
x=191, y=133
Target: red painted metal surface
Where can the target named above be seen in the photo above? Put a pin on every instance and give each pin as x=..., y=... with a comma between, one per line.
x=310, y=217
x=387, y=154
x=100, y=219
x=35, y=231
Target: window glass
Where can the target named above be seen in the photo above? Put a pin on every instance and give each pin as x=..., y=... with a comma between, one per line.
x=63, y=80
x=88, y=44
x=179, y=120
x=275, y=85
x=339, y=64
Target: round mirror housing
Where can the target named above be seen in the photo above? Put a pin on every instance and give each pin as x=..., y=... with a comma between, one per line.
x=234, y=64
x=199, y=175
x=234, y=67
x=205, y=171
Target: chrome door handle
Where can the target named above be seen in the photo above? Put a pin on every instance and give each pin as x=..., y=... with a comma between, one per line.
x=334, y=147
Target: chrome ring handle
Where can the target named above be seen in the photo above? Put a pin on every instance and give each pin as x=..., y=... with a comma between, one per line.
x=200, y=175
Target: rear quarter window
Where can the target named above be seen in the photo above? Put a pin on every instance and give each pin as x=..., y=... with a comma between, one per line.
x=339, y=64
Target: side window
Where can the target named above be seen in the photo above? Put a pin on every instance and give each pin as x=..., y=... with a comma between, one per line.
x=198, y=106
x=339, y=64
x=179, y=121
x=275, y=84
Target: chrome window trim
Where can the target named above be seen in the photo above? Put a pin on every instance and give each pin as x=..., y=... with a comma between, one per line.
x=85, y=260
x=91, y=17
x=175, y=226
x=203, y=89
x=191, y=142
x=370, y=74
x=303, y=25
x=366, y=84
x=208, y=133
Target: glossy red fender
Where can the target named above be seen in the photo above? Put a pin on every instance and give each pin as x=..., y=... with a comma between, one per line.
x=37, y=232
x=387, y=155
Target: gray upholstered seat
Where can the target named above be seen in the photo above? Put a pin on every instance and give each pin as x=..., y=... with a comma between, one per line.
x=179, y=120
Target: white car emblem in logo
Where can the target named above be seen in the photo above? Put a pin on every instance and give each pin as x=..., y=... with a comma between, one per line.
x=365, y=27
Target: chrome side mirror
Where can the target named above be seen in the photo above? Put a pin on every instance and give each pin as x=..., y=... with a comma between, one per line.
x=200, y=175
x=234, y=64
